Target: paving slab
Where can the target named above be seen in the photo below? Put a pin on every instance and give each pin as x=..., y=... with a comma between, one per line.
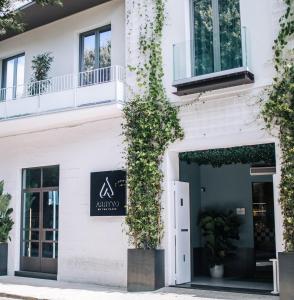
x=40, y=289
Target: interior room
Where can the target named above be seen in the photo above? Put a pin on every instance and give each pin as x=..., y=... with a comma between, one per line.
x=241, y=196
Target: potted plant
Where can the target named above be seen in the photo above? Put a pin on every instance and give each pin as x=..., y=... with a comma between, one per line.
x=150, y=125
x=6, y=224
x=41, y=65
x=219, y=229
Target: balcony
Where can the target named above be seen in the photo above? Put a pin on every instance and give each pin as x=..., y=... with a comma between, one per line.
x=208, y=63
x=69, y=92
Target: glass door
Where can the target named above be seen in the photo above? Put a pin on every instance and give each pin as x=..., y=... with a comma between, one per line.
x=95, y=56
x=40, y=215
x=217, y=43
x=13, y=77
x=263, y=220
x=264, y=229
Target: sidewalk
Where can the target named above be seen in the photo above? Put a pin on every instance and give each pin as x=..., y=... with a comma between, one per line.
x=32, y=289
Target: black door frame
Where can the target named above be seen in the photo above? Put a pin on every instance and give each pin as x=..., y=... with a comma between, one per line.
x=40, y=263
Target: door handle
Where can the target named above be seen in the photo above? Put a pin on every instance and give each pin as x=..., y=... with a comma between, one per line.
x=184, y=230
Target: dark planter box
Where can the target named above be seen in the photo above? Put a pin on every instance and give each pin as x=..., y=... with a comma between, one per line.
x=145, y=270
x=3, y=258
x=286, y=275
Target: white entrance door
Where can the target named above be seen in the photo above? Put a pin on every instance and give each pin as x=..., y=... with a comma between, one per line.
x=182, y=232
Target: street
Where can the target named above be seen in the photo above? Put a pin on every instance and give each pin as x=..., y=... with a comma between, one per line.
x=35, y=289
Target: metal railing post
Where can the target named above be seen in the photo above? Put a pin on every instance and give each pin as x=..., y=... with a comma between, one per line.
x=75, y=80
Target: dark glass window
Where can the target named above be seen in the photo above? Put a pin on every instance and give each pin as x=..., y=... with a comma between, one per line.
x=50, y=176
x=31, y=249
x=31, y=210
x=31, y=178
x=50, y=250
x=95, y=56
x=88, y=55
x=105, y=49
x=13, y=77
x=41, y=177
x=30, y=235
x=217, y=36
x=50, y=210
x=95, y=49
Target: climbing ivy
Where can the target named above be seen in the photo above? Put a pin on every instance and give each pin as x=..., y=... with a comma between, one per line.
x=264, y=153
x=150, y=124
x=278, y=112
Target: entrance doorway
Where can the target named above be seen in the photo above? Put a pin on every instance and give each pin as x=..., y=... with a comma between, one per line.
x=40, y=215
x=264, y=228
x=232, y=225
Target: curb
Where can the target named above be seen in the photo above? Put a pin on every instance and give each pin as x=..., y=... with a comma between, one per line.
x=12, y=296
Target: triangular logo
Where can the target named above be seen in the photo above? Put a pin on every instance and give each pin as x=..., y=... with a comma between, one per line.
x=106, y=190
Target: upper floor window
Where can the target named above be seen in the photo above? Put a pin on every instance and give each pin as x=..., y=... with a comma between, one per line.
x=217, y=36
x=13, y=76
x=95, y=48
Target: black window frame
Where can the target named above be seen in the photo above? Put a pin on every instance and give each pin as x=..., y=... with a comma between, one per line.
x=97, y=33
x=4, y=69
x=4, y=75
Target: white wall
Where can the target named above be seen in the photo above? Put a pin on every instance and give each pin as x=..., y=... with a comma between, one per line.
x=260, y=19
x=222, y=118
x=91, y=249
x=62, y=38
x=96, y=248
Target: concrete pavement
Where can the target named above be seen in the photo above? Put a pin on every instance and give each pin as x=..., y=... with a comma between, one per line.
x=32, y=289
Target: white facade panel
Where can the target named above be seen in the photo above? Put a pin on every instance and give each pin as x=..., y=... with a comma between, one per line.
x=91, y=249
x=57, y=100
x=80, y=141
x=61, y=39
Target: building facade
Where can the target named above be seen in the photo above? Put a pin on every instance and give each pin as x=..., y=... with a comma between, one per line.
x=55, y=133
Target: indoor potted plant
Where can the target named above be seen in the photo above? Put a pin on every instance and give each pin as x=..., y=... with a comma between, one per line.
x=219, y=229
x=6, y=224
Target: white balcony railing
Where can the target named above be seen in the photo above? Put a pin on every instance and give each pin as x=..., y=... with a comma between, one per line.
x=63, y=92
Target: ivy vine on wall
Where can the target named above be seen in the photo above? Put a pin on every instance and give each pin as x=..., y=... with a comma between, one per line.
x=150, y=124
x=278, y=111
x=264, y=153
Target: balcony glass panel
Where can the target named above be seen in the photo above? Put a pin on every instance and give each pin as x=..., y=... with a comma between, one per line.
x=230, y=34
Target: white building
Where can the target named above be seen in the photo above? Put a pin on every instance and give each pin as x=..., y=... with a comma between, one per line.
x=72, y=123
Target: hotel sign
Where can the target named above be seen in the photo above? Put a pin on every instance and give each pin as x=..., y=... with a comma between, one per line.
x=108, y=193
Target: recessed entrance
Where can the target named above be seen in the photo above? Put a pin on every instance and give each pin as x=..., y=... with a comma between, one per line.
x=232, y=221
x=40, y=214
